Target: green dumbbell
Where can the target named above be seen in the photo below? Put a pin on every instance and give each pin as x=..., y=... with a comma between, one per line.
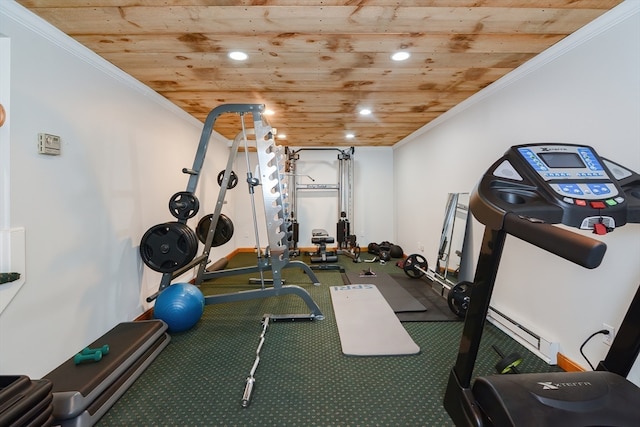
x=104, y=349
x=91, y=357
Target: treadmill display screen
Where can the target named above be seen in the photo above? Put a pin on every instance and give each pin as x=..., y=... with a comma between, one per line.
x=562, y=160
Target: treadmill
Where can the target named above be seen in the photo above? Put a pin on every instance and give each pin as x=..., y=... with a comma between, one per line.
x=522, y=194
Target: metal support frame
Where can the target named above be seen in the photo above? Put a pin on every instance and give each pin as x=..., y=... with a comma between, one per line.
x=346, y=174
x=271, y=165
x=344, y=187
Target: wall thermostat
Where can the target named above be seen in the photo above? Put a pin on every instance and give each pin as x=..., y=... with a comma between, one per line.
x=48, y=144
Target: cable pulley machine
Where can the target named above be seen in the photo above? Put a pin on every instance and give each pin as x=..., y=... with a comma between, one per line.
x=344, y=189
x=523, y=194
x=177, y=255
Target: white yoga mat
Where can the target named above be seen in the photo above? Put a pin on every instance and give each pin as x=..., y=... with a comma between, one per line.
x=367, y=324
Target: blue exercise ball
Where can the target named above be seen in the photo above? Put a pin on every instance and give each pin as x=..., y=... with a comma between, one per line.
x=180, y=305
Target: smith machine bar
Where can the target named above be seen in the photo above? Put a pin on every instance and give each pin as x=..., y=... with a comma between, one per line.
x=274, y=193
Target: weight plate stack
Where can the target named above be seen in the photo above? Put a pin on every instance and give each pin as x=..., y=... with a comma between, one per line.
x=459, y=298
x=169, y=246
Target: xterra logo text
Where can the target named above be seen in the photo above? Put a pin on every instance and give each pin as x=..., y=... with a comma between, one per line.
x=548, y=385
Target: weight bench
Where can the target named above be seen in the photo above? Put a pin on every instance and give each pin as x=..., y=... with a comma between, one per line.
x=320, y=237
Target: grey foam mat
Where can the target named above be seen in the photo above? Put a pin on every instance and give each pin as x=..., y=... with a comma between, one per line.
x=398, y=298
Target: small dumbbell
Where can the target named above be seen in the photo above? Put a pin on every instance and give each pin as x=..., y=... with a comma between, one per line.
x=91, y=357
x=104, y=349
x=508, y=364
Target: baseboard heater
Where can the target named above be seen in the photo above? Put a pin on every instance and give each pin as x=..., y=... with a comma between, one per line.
x=545, y=349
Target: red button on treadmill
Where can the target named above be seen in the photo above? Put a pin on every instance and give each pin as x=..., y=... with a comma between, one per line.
x=597, y=205
x=581, y=202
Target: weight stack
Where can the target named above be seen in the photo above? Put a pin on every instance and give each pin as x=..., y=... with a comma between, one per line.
x=294, y=228
x=342, y=232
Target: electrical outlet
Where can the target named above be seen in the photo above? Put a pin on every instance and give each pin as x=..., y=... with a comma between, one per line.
x=608, y=339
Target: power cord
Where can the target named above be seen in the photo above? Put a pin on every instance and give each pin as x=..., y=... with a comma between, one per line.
x=601, y=331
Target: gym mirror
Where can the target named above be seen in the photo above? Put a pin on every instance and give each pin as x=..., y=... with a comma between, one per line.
x=452, y=264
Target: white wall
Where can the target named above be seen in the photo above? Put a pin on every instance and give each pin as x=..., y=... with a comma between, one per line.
x=584, y=90
x=83, y=212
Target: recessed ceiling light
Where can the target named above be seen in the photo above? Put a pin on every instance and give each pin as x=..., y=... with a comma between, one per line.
x=365, y=112
x=268, y=112
x=349, y=136
x=400, y=56
x=238, y=56
x=282, y=136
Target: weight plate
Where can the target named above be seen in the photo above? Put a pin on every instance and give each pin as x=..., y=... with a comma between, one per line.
x=415, y=265
x=203, y=228
x=509, y=364
x=168, y=247
x=233, y=179
x=222, y=233
x=459, y=298
x=184, y=205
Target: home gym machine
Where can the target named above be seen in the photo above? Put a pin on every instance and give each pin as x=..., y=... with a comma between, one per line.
x=523, y=193
x=345, y=241
x=170, y=248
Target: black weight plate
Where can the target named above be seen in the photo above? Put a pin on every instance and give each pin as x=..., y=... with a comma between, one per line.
x=203, y=227
x=184, y=205
x=224, y=231
x=233, y=179
x=168, y=247
x=459, y=297
x=413, y=261
x=222, y=234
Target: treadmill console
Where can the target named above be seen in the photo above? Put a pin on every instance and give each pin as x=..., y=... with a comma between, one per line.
x=558, y=183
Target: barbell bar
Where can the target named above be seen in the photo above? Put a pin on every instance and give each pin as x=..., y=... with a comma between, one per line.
x=458, y=298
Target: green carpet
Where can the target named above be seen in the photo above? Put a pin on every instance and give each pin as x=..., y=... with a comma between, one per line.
x=303, y=378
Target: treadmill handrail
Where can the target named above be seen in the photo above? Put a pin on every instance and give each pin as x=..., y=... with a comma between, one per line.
x=574, y=247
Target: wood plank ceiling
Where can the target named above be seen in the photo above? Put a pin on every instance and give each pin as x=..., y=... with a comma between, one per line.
x=316, y=64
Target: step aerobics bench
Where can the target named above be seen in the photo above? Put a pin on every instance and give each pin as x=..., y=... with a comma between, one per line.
x=25, y=402
x=83, y=392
